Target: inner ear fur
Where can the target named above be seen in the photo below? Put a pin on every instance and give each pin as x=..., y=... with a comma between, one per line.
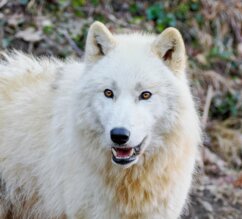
x=169, y=46
x=99, y=42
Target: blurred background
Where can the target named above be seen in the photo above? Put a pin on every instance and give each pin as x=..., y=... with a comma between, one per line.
x=212, y=30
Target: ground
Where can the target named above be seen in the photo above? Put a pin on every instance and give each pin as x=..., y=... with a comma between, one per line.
x=212, y=30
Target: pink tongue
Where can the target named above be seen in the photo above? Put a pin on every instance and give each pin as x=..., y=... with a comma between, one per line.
x=123, y=152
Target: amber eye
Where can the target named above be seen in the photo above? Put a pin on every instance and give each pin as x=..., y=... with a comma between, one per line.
x=108, y=93
x=145, y=95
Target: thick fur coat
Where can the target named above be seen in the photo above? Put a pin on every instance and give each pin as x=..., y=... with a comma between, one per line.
x=55, y=122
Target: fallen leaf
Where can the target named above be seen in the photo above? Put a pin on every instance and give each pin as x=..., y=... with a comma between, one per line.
x=15, y=19
x=238, y=182
x=207, y=206
x=239, y=48
x=201, y=59
x=30, y=35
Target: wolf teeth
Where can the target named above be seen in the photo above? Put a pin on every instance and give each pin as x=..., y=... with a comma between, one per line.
x=132, y=152
x=114, y=152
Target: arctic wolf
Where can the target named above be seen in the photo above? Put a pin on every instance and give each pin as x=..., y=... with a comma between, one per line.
x=113, y=137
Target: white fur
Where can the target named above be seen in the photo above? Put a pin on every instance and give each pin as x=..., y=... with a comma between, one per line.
x=55, y=130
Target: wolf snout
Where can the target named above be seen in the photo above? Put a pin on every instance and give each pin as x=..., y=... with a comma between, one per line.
x=120, y=135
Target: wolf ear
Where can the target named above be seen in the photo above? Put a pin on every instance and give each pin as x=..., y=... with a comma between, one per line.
x=99, y=42
x=169, y=46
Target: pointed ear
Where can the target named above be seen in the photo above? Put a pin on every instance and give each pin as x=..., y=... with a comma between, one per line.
x=99, y=42
x=169, y=46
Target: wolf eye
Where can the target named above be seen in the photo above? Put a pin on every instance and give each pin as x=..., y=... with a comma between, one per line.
x=145, y=95
x=108, y=93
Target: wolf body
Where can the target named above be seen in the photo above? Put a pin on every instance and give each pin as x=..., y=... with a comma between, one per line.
x=57, y=159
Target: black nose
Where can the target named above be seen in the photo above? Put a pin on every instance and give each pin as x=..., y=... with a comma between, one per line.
x=120, y=135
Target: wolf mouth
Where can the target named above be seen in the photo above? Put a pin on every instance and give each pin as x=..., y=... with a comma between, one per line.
x=125, y=155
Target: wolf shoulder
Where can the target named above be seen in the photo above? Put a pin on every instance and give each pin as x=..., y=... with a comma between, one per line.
x=29, y=88
x=21, y=73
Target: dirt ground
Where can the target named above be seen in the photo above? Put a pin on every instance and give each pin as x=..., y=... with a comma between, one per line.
x=216, y=193
x=213, y=199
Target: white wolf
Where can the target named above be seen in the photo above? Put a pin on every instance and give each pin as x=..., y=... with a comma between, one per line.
x=113, y=137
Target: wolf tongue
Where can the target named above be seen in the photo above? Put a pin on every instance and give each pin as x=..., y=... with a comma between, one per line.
x=123, y=152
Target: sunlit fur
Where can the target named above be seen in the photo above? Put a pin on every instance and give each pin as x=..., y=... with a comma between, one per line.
x=55, y=122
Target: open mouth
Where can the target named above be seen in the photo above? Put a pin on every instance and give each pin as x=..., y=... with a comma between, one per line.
x=125, y=155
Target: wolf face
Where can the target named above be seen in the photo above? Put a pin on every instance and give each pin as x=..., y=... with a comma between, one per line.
x=135, y=87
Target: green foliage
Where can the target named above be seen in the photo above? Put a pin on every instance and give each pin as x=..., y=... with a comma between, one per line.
x=199, y=18
x=154, y=12
x=134, y=8
x=215, y=52
x=48, y=29
x=95, y=2
x=182, y=11
x=225, y=106
x=195, y=5
x=80, y=38
x=162, y=18
x=23, y=2
x=73, y=3
x=166, y=17
x=77, y=3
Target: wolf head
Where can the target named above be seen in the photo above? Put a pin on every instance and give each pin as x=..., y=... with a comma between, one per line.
x=131, y=90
